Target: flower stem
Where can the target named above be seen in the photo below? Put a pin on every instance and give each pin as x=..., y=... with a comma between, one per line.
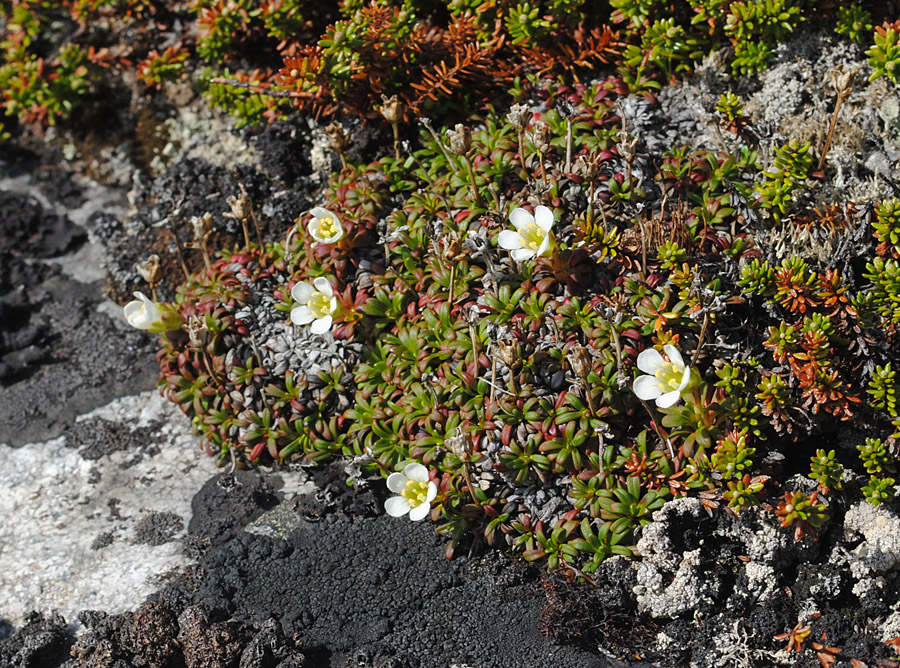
x=187, y=274
x=696, y=354
x=479, y=202
x=452, y=283
x=474, y=346
x=659, y=430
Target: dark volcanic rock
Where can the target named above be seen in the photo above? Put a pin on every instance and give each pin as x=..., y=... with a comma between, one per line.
x=373, y=588
x=29, y=230
x=40, y=643
x=86, y=361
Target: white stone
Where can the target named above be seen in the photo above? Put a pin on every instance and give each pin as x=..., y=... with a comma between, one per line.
x=53, y=512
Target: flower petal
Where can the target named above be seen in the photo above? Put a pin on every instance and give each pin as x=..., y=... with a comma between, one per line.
x=432, y=492
x=132, y=309
x=673, y=355
x=416, y=472
x=302, y=315
x=302, y=291
x=396, y=506
x=650, y=361
x=685, y=378
x=521, y=254
x=668, y=399
x=545, y=244
x=420, y=512
x=332, y=305
x=520, y=218
x=313, y=229
x=321, y=325
x=321, y=212
x=646, y=388
x=543, y=217
x=323, y=286
x=396, y=482
x=509, y=240
x=141, y=296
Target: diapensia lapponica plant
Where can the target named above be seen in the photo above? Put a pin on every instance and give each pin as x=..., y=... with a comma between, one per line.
x=536, y=331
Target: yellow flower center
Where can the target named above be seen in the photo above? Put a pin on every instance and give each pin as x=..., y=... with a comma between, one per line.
x=319, y=304
x=327, y=227
x=532, y=237
x=415, y=492
x=669, y=377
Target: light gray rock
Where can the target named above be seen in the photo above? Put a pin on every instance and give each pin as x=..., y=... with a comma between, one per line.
x=880, y=528
x=68, y=539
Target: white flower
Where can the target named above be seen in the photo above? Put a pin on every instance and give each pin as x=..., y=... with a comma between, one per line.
x=415, y=490
x=531, y=238
x=142, y=312
x=314, y=305
x=325, y=227
x=666, y=379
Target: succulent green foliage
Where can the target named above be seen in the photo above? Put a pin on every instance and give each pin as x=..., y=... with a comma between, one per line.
x=802, y=512
x=789, y=172
x=825, y=468
x=854, y=21
x=883, y=390
x=886, y=227
x=505, y=377
x=884, y=55
x=879, y=490
x=731, y=110
x=877, y=458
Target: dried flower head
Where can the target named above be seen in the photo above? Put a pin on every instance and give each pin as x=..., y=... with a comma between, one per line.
x=459, y=140
x=338, y=140
x=453, y=247
x=202, y=227
x=508, y=351
x=391, y=109
x=241, y=208
x=580, y=361
x=519, y=116
x=149, y=270
x=539, y=135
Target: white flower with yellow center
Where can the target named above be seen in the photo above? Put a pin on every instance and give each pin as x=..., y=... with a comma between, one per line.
x=325, y=227
x=531, y=238
x=142, y=312
x=415, y=490
x=315, y=304
x=665, y=378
